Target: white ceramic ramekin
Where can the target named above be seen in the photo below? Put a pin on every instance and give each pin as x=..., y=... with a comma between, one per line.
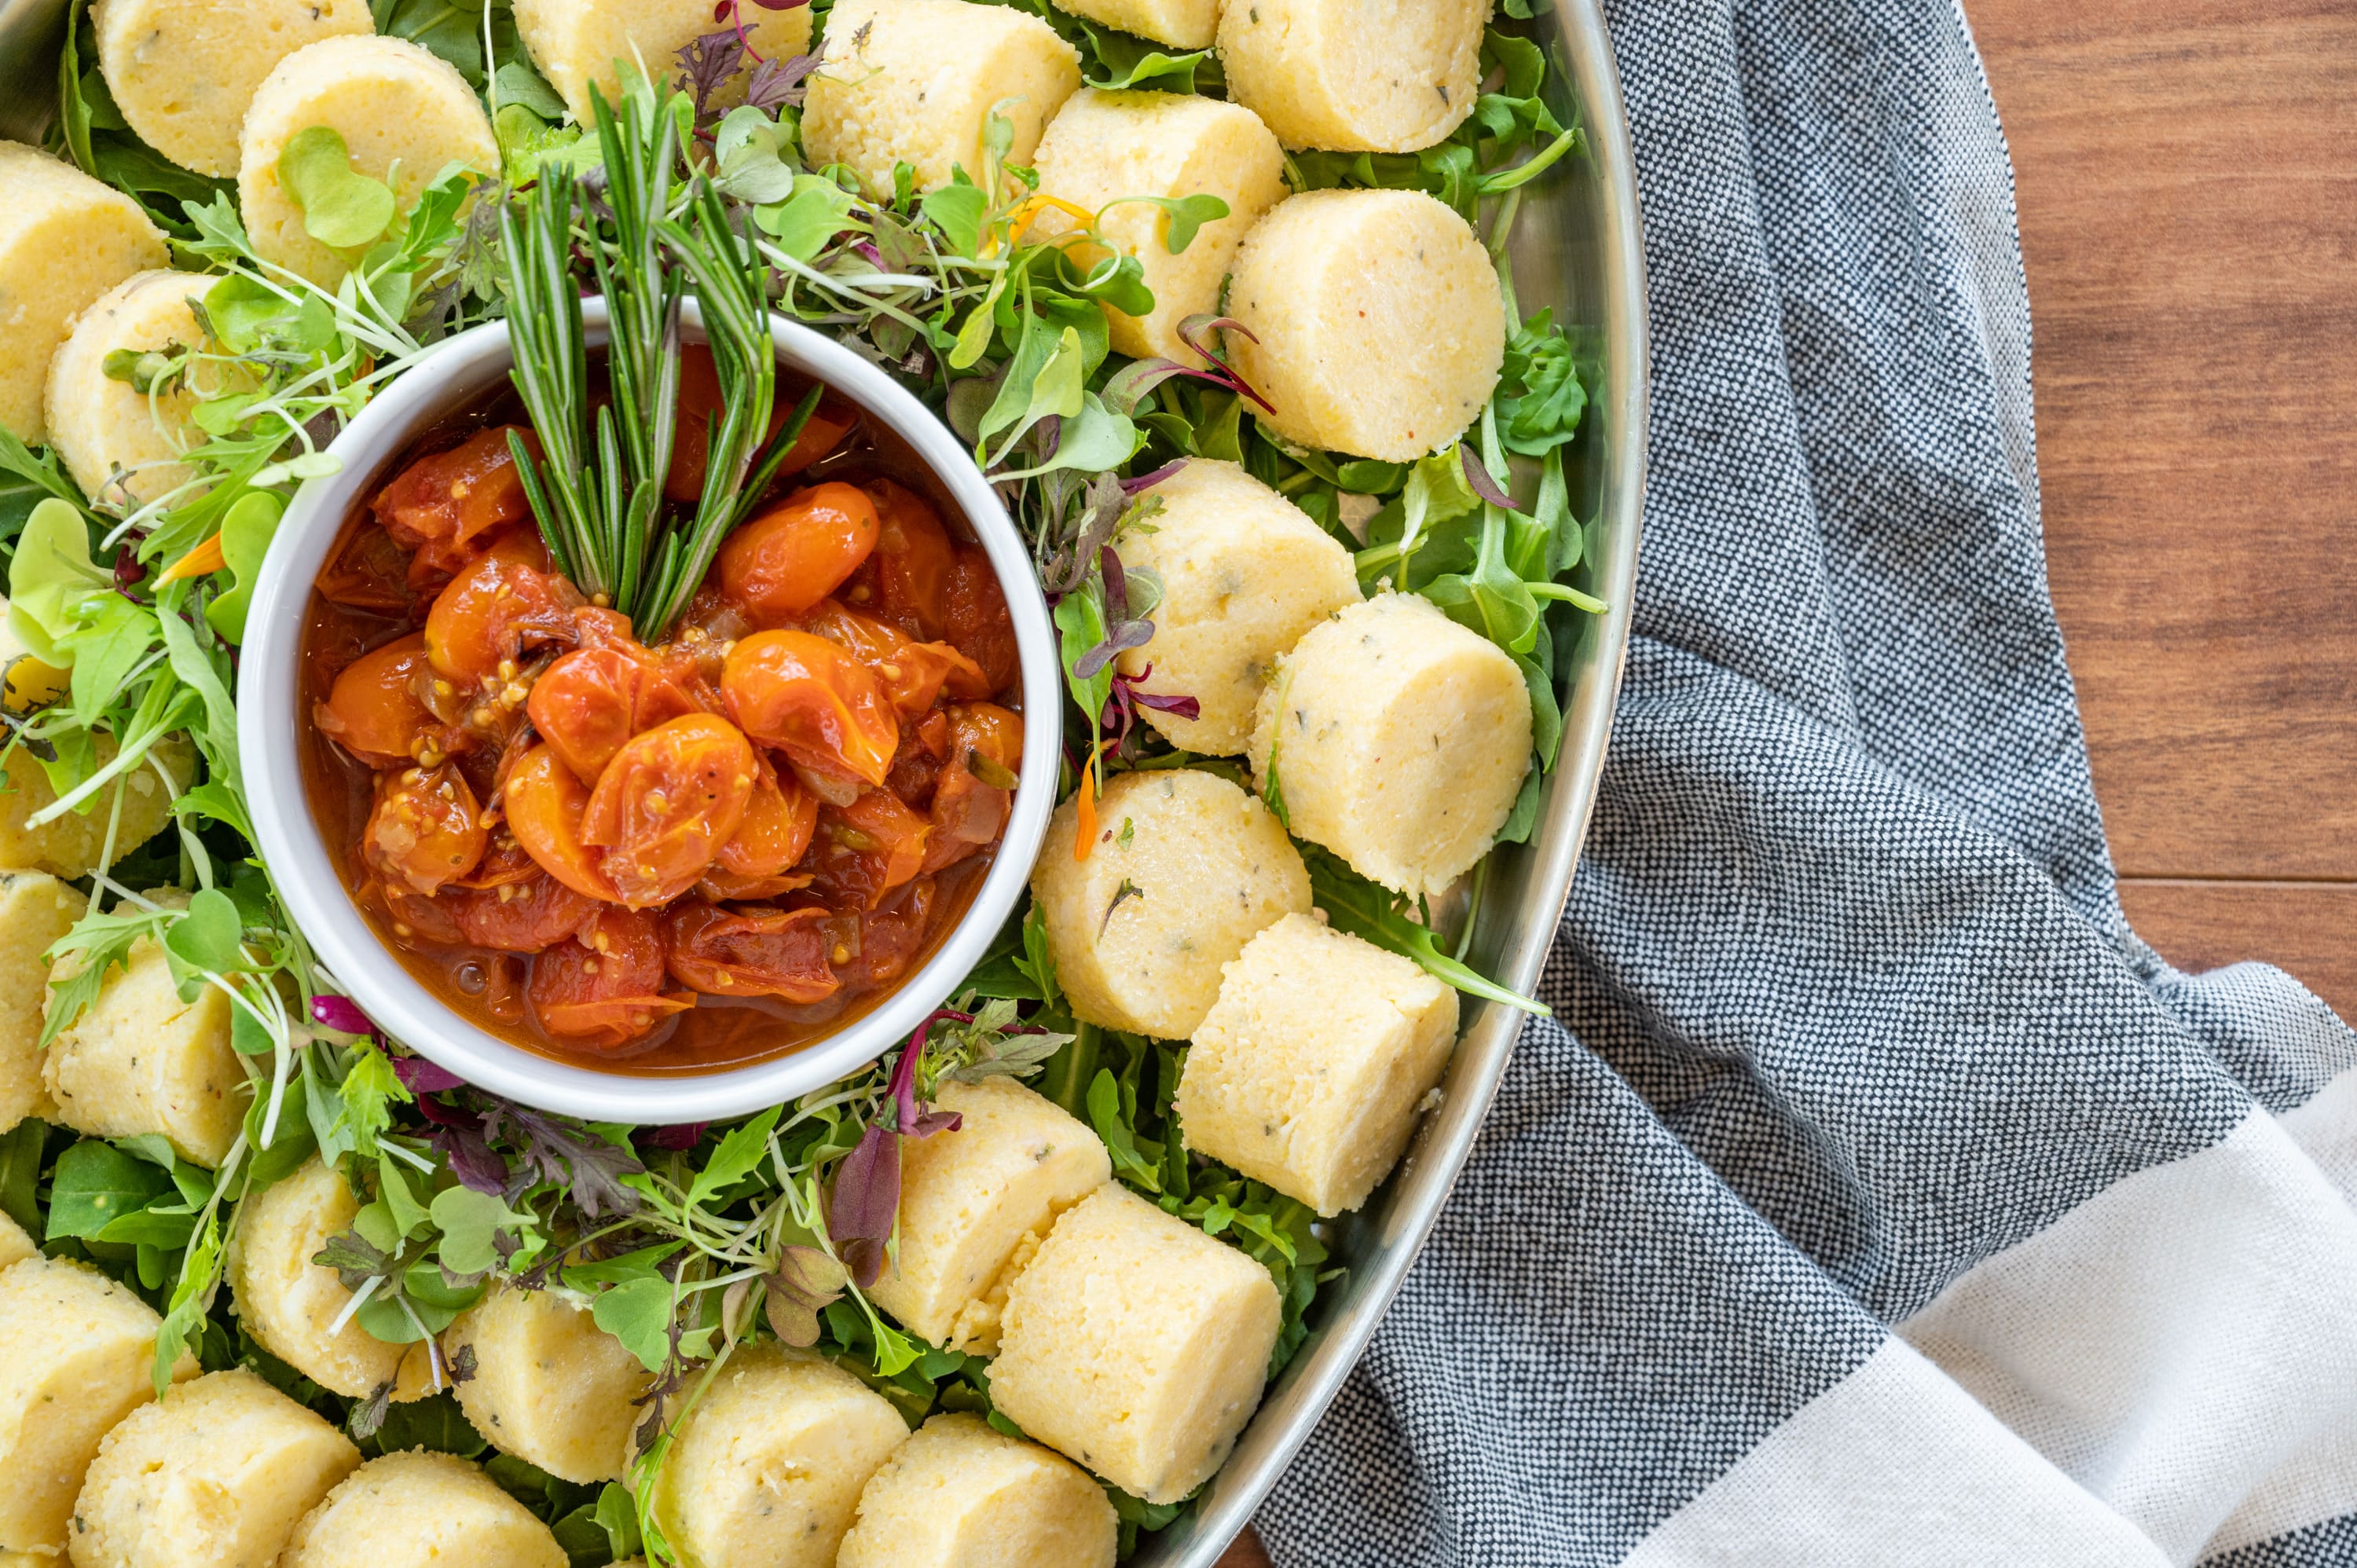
x=453, y=376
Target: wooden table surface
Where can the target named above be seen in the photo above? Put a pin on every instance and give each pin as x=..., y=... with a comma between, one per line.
x=2186, y=176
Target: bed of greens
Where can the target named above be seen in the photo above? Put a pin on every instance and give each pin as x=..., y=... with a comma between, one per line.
x=690, y=1240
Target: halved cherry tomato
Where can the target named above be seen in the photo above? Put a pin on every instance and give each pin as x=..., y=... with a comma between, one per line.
x=427, y=831
x=799, y=552
x=914, y=674
x=447, y=506
x=699, y=399
x=814, y=702
x=913, y=557
x=372, y=710
x=751, y=953
x=504, y=862
x=979, y=625
x=593, y=700
x=665, y=805
x=969, y=811
x=369, y=571
x=864, y=850
x=507, y=599
x=518, y=916
x=543, y=803
x=779, y=820
x=887, y=940
x=417, y=921
x=602, y=989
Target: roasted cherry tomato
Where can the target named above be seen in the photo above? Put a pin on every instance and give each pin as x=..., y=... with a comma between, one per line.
x=885, y=940
x=913, y=557
x=751, y=952
x=369, y=571
x=814, y=701
x=979, y=626
x=779, y=820
x=914, y=674
x=593, y=700
x=667, y=803
x=699, y=399
x=427, y=831
x=518, y=916
x=864, y=850
x=799, y=552
x=602, y=989
x=372, y=711
x=543, y=803
x=977, y=785
x=506, y=600
x=446, y=508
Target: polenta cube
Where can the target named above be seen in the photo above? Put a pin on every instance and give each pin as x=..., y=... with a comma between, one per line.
x=1137, y=1344
x=215, y=1473
x=1308, y=1072
x=1181, y=24
x=36, y=910
x=768, y=1467
x=77, y=1355
x=68, y=240
x=139, y=1059
x=291, y=1305
x=1185, y=869
x=576, y=43
x=392, y=102
x=974, y=1199
x=1343, y=75
x=916, y=81
x=1103, y=148
x=100, y=425
x=549, y=1385
x=961, y=1492
x=1244, y=572
x=1398, y=740
x=413, y=1509
x=120, y=817
x=1381, y=331
x=183, y=72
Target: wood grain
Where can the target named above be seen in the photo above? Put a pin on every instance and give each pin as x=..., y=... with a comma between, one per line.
x=2188, y=222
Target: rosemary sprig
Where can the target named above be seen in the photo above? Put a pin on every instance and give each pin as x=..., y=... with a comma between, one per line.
x=599, y=505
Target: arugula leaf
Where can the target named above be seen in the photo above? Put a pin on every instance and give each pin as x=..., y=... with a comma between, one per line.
x=98, y=1184
x=738, y=1154
x=1359, y=906
x=1121, y=1141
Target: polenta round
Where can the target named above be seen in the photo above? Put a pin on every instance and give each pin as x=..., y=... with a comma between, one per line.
x=549, y=1385
x=421, y=1511
x=1244, y=572
x=1355, y=76
x=1398, y=740
x=392, y=101
x=1185, y=868
x=768, y=1467
x=216, y=1474
x=291, y=1304
x=576, y=43
x=183, y=72
x=1380, y=325
x=102, y=426
x=68, y=240
x=960, y=1492
x=1137, y=1344
x=1104, y=146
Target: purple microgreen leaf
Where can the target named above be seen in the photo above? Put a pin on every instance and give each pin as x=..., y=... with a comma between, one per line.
x=458, y=1135
x=865, y=1203
x=1128, y=386
x=1147, y=481
x=1174, y=704
x=1204, y=323
x=707, y=62
x=1116, y=584
x=422, y=1077
x=343, y=1015
x=933, y=1122
x=1118, y=640
x=671, y=1140
x=1478, y=479
x=778, y=83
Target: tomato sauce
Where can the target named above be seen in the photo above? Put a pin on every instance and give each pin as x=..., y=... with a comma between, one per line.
x=677, y=857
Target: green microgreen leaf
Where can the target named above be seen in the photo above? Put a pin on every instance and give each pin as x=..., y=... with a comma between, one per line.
x=342, y=208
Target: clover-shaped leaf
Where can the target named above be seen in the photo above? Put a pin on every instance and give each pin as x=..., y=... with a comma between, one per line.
x=341, y=208
x=49, y=579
